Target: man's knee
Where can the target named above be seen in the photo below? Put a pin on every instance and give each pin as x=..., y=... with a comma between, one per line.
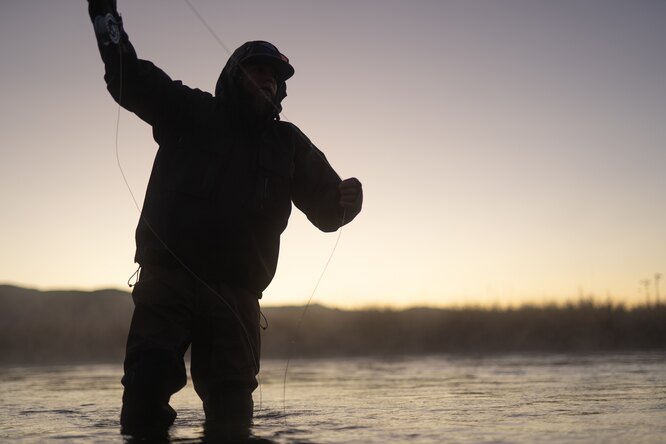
x=154, y=373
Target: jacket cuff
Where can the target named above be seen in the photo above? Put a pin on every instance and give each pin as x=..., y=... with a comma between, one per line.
x=101, y=8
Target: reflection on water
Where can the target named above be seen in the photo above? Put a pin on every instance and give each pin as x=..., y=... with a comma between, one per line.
x=550, y=398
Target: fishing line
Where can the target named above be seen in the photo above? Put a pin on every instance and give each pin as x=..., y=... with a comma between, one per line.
x=254, y=358
x=300, y=320
x=210, y=30
x=335, y=245
x=189, y=270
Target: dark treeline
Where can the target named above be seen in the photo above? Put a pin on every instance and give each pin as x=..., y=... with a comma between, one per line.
x=75, y=327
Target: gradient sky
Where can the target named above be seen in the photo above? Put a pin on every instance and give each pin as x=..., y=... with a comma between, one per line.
x=510, y=150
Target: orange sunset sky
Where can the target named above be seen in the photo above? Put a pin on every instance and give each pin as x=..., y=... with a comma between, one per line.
x=510, y=150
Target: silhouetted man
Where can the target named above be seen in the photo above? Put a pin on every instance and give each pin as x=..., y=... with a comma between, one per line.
x=219, y=196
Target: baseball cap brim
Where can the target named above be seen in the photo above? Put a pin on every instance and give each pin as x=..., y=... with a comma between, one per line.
x=282, y=69
x=264, y=52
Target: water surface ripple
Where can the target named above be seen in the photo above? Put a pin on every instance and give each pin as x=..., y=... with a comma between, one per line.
x=472, y=399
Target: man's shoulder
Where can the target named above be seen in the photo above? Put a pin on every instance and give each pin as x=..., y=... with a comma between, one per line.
x=200, y=105
x=203, y=98
x=281, y=125
x=291, y=130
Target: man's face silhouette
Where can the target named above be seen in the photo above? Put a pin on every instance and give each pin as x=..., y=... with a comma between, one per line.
x=260, y=85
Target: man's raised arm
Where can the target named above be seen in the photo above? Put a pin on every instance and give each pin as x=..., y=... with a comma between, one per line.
x=138, y=85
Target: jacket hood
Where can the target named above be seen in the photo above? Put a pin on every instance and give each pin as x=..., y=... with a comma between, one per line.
x=228, y=88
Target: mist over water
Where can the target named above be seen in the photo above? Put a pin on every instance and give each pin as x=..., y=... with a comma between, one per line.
x=70, y=327
x=501, y=398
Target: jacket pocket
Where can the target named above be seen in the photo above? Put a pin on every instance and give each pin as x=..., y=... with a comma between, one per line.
x=191, y=171
x=273, y=184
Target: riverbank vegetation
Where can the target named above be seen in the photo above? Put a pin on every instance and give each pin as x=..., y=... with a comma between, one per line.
x=73, y=326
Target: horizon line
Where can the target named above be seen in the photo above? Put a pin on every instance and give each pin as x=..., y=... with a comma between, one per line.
x=576, y=301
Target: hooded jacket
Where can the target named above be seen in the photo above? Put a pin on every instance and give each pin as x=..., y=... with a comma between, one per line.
x=221, y=187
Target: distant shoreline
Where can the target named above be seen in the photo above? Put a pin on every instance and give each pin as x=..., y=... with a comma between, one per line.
x=588, y=298
x=90, y=327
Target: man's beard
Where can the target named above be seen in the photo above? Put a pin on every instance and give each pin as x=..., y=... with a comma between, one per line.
x=258, y=105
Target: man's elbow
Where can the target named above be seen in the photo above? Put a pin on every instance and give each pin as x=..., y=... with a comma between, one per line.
x=327, y=226
x=333, y=223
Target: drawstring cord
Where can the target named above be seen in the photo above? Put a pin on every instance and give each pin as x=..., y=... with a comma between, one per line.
x=135, y=274
x=263, y=316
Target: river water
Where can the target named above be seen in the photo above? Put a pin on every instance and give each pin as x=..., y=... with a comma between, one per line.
x=472, y=399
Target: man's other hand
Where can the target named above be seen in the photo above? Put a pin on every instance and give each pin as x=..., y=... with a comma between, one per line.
x=351, y=195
